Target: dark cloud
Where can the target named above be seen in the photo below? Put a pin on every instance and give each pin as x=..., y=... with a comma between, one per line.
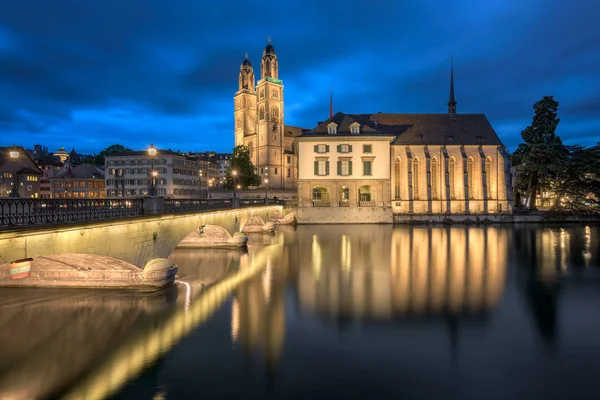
x=92, y=73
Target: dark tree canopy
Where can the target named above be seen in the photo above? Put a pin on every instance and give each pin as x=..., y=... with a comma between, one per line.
x=542, y=157
x=245, y=171
x=98, y=159
x=544, y=163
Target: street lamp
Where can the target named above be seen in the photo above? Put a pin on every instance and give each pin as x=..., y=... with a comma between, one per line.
x=266, y=187
x=234, y=173
x=14, y=155
x=210, y=184
x=152, y=154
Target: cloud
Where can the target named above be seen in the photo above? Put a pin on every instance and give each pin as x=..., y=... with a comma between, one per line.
x=89, y=74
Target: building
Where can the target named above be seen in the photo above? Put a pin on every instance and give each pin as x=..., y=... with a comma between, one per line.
x=128, y=174
x=20, y=170
x=50, y=166
x=385, y=167
x=260, y=123
x=85, y=181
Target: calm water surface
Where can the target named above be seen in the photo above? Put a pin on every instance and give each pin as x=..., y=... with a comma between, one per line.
x=328, y=312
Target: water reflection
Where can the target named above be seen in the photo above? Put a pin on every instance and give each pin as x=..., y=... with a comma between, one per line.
x=379, y=273
x=50, y=338
x=406, y=296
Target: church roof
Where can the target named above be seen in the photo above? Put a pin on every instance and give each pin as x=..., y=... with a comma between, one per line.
x=416, y=129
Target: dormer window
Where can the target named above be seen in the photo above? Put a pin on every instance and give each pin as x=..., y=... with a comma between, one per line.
x=355, y=128
x=332, y=128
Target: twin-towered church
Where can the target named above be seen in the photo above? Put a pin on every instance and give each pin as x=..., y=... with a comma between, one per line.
x=365, y=168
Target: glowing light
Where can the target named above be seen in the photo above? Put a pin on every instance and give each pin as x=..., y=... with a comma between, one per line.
x=235, y=319
x=316, y=258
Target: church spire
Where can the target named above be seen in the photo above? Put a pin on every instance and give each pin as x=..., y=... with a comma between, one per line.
x=451, y=102
x=330, y=101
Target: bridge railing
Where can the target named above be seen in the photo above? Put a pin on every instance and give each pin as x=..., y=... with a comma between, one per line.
x=21, y=212
x=16, y=211
x=176, y=206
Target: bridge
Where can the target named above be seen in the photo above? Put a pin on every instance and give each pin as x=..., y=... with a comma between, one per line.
x=131, y=230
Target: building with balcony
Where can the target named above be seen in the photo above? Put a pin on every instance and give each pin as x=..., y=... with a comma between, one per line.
x=129, y=174
x=86, y=181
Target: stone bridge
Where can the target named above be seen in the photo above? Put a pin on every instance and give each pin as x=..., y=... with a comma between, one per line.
x=135, y=240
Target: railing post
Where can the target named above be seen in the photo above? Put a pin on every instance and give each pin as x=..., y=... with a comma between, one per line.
x=153, y=205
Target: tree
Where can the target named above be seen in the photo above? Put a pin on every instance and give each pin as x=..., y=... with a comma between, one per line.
x=577, y=189
x=98, y=159
x=543, y=158
x=246, y=171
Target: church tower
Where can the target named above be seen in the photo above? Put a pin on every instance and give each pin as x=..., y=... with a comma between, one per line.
x=245, y=104
x=270, y=127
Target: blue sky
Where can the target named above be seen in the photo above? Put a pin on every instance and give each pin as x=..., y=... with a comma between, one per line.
x=90, y=73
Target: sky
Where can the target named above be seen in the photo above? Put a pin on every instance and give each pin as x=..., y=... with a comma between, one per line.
x=91, y=73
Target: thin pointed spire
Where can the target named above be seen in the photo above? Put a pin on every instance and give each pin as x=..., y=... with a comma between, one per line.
x=269, y=39
x=451, y=102
x=246, y=55
x=330, y=101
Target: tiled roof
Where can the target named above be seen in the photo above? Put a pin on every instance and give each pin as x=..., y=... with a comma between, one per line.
x=24, y=160
x=83, y=171
x=293, y=131
x=145, y=153
x=413, y=129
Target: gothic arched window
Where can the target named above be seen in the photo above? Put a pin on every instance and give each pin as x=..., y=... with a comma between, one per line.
x=452, y=176
x=262, y=93
x=397, y=172
x=274, y=114
x=415, y=176
x=261, y=113
x=470, y=181
x=434, y=178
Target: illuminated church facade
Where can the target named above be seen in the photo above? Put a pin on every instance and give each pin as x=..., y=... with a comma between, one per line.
x=260, y=124
x=383, y=168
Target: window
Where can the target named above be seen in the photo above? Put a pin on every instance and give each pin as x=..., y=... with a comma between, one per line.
x=452, y=177
x=321, y=168
x=274, y=114
x=488, y=177
x=470, y=177
x=415, y=176
x=320, y=194
x=332, y=128
x=344, y=148
x=344, y=168
x=367, y=148
x=262, y=94
x=321, y=148
x=275, y=171
x=367, y=167
x=261, y=113
x=354, y=128
x=289, y=159
x=434, y=178
x=274, y=94
x=289, y=173
x=397, y=178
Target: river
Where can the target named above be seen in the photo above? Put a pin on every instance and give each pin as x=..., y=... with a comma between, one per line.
x=344, y=311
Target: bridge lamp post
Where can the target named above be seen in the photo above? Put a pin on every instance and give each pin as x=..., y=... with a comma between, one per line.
x=234, y=173
x=266, y=187
x=154, y=175
x=14, y=156
x=152, y=154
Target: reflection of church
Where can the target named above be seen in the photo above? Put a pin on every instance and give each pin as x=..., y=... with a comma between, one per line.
x=375, y=275
x=259, y=122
